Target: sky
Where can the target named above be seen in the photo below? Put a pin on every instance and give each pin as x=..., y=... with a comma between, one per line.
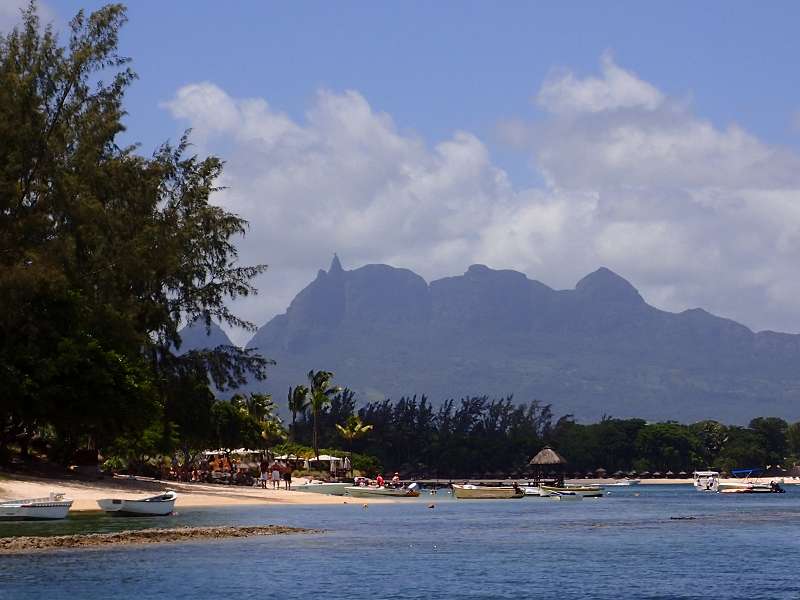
x=660, y=141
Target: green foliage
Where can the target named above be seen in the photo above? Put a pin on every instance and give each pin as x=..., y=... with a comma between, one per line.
x=104, y=254
x=669, y=447
x=320, y=392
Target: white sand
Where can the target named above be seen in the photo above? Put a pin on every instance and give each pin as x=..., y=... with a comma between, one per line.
x=86, y=493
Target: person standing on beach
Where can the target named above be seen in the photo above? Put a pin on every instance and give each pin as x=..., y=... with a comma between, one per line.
x=287, y=478
x=276, y=477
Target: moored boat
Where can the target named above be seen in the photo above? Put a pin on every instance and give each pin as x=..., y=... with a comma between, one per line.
x=412, y=491
x=585, y=491
x=155, y=506
x=750, y=487
x=563, y=496
x=623, y=482
x=323, y=487
x=486, y=492
x=706, y=481
x=55, y=506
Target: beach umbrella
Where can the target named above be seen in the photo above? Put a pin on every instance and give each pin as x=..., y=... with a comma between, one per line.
x=619, y=474
x=644, y=474
x=669, y=473
x=601, y=472
x=657, y=474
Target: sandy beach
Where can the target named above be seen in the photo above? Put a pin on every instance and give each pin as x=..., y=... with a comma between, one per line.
x=86, y=493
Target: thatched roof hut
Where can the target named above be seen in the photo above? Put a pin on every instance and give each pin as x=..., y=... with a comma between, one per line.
x=548, y=456
x=548, y=465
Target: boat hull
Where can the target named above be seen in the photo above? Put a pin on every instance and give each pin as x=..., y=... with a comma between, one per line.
x=34, y=511
x=583, y=491
x=474, y=492
x=384, y=492
x=157, y=506
x=333, y=489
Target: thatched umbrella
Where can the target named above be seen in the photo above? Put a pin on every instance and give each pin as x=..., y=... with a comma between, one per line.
x=548, y=463
x=644, y=474
x=601, y=473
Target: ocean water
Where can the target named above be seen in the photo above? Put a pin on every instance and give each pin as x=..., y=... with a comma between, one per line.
x=638, y=542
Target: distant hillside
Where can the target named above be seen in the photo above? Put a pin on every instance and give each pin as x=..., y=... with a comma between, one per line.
x=197, y=337
x=593, y=350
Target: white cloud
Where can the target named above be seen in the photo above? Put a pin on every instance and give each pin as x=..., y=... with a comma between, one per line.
x=692, y=214
x=564, y=93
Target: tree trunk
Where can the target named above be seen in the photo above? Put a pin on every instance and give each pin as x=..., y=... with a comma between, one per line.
x=316, y=446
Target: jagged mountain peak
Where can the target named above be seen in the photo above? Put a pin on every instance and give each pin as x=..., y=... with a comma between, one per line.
x=597, y=349
x=336, y=265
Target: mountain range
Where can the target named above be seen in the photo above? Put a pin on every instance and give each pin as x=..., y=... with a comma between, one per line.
x=598, y=349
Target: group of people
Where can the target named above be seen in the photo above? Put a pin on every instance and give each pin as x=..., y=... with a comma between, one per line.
x=380, y=481
x=275, y=473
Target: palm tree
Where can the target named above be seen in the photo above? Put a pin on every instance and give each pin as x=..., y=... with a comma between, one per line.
x=351, y=431
x=258, y=406
x=320, y=392
x=272, y=432
x=298, y=402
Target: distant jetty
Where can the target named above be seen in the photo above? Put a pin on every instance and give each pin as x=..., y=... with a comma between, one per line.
x=22, y=544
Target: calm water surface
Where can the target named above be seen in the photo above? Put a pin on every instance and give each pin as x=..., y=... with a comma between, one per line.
x=620, y=546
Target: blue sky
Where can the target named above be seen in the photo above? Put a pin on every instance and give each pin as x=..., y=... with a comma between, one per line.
x=658, y=140
x=438, y=67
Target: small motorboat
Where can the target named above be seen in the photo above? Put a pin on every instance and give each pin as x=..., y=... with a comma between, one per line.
x=155, y=506
x=586, y=491
x=370, y=491
x=562, y=496
x=55, y=506
x=322, y=487
x=750, y=488
x=468, y=491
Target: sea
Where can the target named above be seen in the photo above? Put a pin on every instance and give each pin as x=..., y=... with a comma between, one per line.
x=653, y=541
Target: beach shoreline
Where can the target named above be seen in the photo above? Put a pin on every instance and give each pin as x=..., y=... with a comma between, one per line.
x=86, y=493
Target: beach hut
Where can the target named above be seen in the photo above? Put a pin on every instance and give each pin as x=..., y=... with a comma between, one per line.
x=548, y=465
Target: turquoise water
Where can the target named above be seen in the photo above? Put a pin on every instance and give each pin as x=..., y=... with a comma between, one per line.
x=620, y=546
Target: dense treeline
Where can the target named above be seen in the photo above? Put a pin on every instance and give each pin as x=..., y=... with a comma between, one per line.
x=104, y=255
x=480, y=436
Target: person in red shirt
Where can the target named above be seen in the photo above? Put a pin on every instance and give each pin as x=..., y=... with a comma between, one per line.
x=379, y=480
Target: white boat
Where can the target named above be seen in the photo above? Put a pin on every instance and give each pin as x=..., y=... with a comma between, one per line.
x=369, y=491
x=531, y=491
x=563, y=496
x=623, y=482
x=55, y=506
x=585, y=491
x=750, y=487
x=706, y=481
x=486, y=492
x=155, y=506
x=322, y=487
